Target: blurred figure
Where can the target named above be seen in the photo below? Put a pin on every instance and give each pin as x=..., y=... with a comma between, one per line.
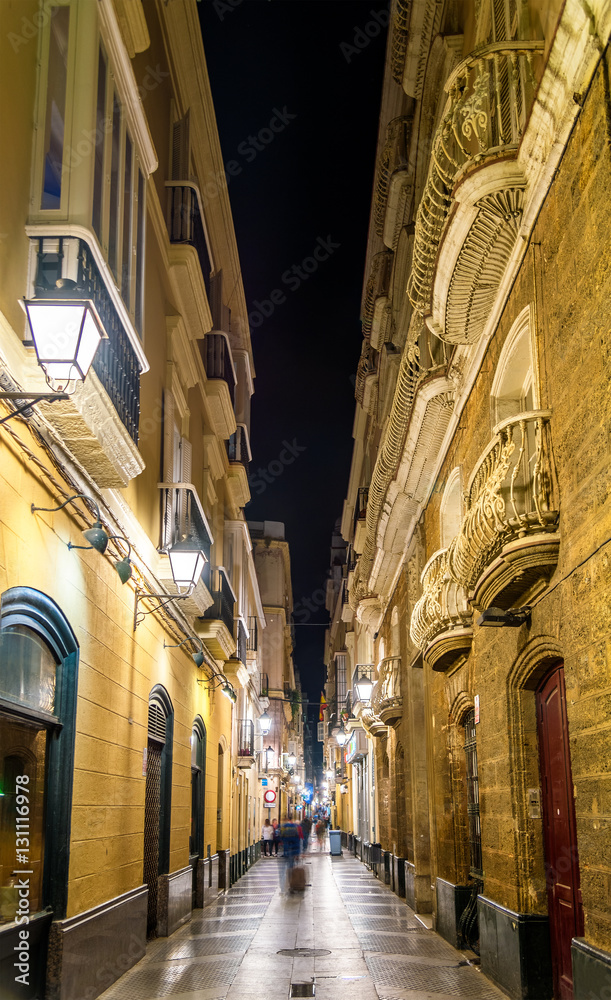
x=320, y=833
x=290, y=833
x=276, y=840
x=306, y=827
x=267, y=838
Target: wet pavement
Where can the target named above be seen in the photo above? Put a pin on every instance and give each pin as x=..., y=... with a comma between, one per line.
x=347, y=937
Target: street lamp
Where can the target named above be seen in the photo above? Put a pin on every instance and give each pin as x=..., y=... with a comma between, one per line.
x=291, y=760
x=364, y=687
x=66, y=332
x=341, y=736
x=187, y=562
x=265, y=721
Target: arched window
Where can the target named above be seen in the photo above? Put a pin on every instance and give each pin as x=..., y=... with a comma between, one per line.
x=158, y=796
x=198, y=787
x=514, y=389
x=38, y=682
x=451, y=508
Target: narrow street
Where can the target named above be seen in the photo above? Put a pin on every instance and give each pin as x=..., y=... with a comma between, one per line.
x=348, y=934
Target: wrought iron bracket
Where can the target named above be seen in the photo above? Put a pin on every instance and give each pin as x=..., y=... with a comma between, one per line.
x=33, y=397
x=163, y=600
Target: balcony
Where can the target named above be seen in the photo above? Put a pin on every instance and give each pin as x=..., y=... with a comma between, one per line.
x=182, y=515
x=216, y=625
x=246, y=743
x=376, y=299
x=441, y=619
x=221, y=380
x=99, y=423
x=360, y=519
x=253, y=634
x=366, y=375
x=389, y=701
x=392, y=180
x=241, y=643
x=189, y=255
x=239, y=455
x=507, y=546
x=489, y=99
x=347, y=613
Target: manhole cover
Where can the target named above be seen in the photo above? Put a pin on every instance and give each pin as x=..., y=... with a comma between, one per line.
x=302, y=989
x=303, y=953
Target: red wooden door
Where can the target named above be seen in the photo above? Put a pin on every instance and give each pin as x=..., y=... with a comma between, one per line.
x=559, y=829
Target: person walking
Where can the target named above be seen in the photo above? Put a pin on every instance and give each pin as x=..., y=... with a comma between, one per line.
x=267, y=838
x=276, y=840
x=306, y=827
x=320, y=833
x=291, y=846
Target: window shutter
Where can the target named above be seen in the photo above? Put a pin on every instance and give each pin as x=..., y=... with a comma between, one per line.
x=157, y=722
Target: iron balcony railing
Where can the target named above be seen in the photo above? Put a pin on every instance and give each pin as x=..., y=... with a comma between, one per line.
x=115, y=362
x=238, y=448
x=251, y=642
x=443, y=604
x=182, y=516
x=246, y=738
x=185, y=219
x=241, y=642
x=216, y=356
x=393, y=158
x=362, y=497
x=223, y=599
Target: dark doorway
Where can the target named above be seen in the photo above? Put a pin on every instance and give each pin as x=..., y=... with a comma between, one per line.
x=559, y=828
x=157, y=799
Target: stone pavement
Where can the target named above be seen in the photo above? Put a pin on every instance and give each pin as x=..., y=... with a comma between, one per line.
x=348, y=936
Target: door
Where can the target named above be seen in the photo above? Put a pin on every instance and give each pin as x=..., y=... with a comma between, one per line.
x=559, y=829
x=152, y=811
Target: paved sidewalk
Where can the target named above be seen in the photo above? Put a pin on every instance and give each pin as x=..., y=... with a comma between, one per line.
x=348, y=935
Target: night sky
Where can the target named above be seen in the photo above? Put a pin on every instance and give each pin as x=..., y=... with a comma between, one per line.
x=297, y=87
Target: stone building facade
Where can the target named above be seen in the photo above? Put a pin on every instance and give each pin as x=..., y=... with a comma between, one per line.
x=477, y=512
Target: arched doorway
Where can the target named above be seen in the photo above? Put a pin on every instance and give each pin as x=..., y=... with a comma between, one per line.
x=559, y=828
x=158, y=795
x=198, y=794
x=38, y=687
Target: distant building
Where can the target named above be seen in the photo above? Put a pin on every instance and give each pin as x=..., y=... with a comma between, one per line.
x=479, y=481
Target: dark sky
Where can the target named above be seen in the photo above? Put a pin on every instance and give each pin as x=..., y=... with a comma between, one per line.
x=297, y=86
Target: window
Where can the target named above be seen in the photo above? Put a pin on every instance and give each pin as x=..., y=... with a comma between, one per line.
x=55, y=109
x=514, y=389
x=198, y=780
x=473, y=816
x=451, y=508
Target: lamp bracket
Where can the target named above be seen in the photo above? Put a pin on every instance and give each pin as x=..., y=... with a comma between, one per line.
x=163, y=600
x=33, y=397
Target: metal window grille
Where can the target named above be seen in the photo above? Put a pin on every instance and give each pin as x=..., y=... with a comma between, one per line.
x=241, y=642
x=320, y=733
x=473, y=816
x=157, y=722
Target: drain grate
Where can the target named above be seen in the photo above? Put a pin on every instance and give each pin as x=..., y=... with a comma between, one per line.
x=303, y=989
x=304, y=952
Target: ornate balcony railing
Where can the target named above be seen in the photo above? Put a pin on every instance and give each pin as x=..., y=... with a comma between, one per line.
x=443, y=604
x=489, y=98
x=246, y=739
x=366, y=369
x=393, y=158
x=377, y=287
x=216, y=356
x=185, y=219
x=389, y=700
x=400, y=30
x=512, y=500
x=223, y=599
x=115, y=362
